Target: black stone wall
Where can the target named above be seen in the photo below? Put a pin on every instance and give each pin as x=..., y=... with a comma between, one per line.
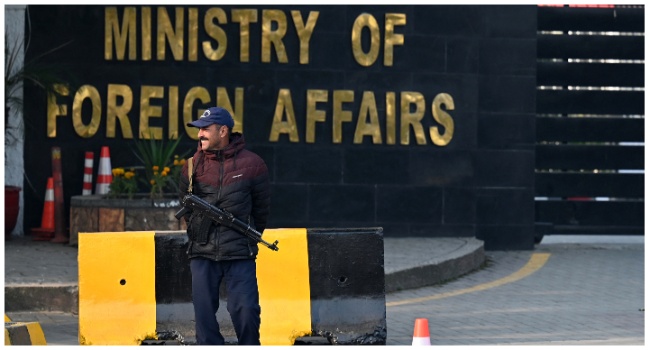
x=480, y=184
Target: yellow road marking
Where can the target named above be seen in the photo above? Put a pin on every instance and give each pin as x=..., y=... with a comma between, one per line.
x=537, y=260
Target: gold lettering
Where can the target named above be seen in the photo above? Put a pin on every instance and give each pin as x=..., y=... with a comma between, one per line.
x=55, y=110
x=284, y=106
x=86, y=92
x=244, y=17
x=363, y=58
x=339, y=115
x=172, y=121
x=443, y=118
x=148, y=111
x=391, y=39
x=408, y=99
x=115, y=112
x=192, y=34
x=304, y=32
x=272, y=37
x=112, y=30
x=391, y=107
x=368, y=123
x=215, y=32
x=368, y=108
x=174, y=36
x=146, y=33
x=195, y=93
x=314, y=115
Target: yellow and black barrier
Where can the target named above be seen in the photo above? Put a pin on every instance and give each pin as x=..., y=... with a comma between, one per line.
x=23, y=333
x=135, y=288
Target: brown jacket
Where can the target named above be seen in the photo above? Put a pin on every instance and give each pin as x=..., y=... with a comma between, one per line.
x=236, y=180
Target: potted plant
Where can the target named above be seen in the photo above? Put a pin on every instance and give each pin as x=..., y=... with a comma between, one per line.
x=126, y=209
x=160, y=170
x=162, y=166
x=12, y=200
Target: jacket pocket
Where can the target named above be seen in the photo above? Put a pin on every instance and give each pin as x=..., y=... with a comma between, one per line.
x=199, y=228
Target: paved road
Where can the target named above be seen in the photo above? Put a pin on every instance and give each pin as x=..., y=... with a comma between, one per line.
x=569, y=292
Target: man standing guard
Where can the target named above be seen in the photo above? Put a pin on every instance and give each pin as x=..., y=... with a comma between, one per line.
x=227, y=175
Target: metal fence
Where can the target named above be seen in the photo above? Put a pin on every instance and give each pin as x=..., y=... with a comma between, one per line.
x=589, y=168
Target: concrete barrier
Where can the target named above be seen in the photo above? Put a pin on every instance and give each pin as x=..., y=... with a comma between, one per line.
x=135, y=288
x=23, y=333
x=347, y=290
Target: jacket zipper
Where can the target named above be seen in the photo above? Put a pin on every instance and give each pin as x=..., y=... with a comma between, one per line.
x=221, y=161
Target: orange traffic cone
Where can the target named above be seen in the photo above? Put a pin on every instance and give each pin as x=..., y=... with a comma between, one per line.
x=421, y=332
x=105, y=175
x=88, y=174
x=46, y=231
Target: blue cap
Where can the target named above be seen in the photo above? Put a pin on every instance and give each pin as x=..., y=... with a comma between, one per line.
x=214, y=115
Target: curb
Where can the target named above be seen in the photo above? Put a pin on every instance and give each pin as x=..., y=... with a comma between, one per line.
x=467, y=258
x=24, y=333
x=65, y=297
x=39, y=297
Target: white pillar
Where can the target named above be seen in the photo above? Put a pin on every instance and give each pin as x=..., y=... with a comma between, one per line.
x=14, y=135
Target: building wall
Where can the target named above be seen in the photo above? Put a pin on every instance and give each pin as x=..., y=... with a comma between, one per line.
x=477, y=181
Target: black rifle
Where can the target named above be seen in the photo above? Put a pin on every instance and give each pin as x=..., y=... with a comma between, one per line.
x=192, y=202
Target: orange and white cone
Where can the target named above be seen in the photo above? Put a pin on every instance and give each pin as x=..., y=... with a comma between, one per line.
x=88, y=174
x=105, y=175
x=421, y=332
x=46, y=231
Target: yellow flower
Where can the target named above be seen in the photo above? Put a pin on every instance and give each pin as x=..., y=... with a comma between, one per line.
x=158, y=157
x=123, y=183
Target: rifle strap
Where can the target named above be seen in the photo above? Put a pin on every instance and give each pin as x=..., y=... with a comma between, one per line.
x=189, y=173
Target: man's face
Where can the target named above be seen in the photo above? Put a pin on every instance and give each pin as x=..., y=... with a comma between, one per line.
x=213, y=137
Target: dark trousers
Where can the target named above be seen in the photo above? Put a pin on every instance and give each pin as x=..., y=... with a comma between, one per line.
x=243, y=299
